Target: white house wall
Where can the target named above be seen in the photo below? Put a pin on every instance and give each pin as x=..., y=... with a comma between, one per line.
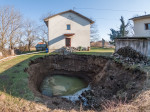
x=58, y=27
x=139, y=28
x=148, y=47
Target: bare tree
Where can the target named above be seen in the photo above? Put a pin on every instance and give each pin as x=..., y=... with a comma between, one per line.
x=46, y=15
x=94, y=32
x=30, y=33
x=15, y=27
x=43, y=29
x=21, y=42
x=4, y=26
x=10, y=24
x=131, y=29
x=43, y=34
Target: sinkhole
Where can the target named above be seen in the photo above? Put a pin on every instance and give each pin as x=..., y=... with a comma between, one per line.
x=69, y=81
x=62, y=85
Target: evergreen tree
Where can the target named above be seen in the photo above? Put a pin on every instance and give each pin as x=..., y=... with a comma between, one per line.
x=122, y=32
x=123, y=27
x=114, y=34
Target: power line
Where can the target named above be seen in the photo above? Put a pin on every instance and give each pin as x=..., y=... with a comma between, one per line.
x=106, y=19
x=109, y=10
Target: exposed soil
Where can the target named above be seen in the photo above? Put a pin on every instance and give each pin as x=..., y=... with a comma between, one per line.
x=131, y=56
x=110, y=80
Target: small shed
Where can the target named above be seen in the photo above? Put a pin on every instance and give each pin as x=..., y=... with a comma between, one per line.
x=40, y=46
x=140, y=44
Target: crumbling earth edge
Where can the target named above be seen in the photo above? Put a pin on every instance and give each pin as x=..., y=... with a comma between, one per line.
x=110, y=80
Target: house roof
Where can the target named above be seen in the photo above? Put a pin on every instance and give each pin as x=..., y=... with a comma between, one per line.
x=41, y=43
x=46, y=19
x=140, y=17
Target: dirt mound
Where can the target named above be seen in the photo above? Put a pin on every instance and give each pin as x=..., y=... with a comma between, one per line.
x=109, y=80
x=131, y=53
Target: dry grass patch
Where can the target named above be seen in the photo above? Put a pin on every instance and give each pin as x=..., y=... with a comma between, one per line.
x=140, y=104
x=9, y=103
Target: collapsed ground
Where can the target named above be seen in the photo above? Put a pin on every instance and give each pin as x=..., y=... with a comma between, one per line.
x=16, y=96
x=109, y=79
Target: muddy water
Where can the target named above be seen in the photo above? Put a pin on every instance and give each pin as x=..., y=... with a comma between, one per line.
x=60, y=85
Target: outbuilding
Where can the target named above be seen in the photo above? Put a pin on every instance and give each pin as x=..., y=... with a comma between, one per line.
x=40, y=46
x=140, y=44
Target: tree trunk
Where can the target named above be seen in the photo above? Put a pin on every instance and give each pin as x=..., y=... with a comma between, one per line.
x=1, y=54
x=12, y=52
x=29, y=47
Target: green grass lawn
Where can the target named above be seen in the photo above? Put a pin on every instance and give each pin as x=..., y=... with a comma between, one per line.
x=13, y=79
x=97, y=51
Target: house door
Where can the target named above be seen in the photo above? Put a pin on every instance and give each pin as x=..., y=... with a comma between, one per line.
x=68, y=42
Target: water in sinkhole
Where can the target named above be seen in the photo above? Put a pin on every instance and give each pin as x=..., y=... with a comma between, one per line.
x=63, y=86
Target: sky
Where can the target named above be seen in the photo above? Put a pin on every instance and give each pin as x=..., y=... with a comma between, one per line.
x=106, y=13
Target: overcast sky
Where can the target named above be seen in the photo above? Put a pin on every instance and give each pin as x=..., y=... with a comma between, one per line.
x=106, y=12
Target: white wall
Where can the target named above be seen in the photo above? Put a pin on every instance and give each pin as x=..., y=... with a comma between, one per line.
x=149, y=48
x=140, y=45
x=139, y=28
x=58, y=27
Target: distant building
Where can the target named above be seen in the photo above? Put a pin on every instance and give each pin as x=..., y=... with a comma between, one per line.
x=69, y=29
x=40, y=46
x=142, y=26
x=140, y=44
x=141, y=40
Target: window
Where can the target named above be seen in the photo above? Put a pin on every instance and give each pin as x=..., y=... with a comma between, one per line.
x=147, y=26
x=68, y=27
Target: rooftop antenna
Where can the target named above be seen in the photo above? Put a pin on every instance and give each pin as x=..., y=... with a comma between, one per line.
x=73, y=8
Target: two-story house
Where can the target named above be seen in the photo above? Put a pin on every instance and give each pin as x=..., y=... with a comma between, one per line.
x=142, y=26
x=69, y=29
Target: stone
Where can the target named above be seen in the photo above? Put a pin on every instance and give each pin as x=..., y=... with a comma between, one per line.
x=66, y=50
